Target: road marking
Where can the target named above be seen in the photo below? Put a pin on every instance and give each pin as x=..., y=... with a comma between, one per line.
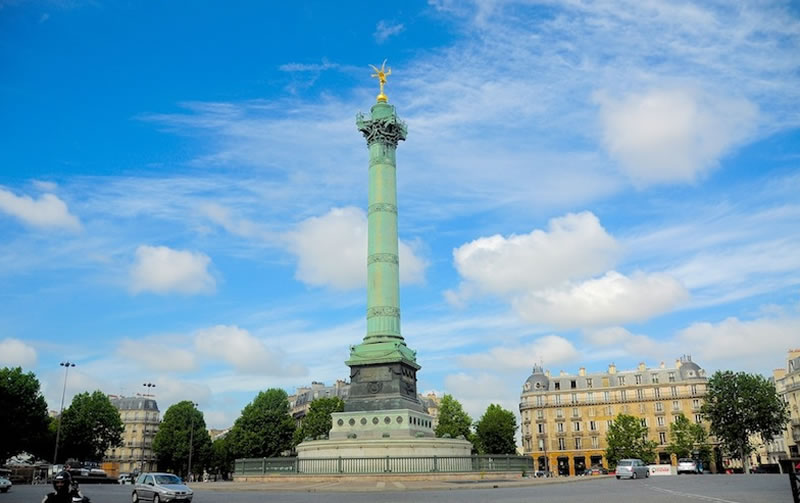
x=399, y=485
x=692, y=496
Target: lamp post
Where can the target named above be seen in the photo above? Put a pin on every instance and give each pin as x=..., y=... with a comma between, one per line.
x=191, y=441
x=66, y=366
x=147, y=385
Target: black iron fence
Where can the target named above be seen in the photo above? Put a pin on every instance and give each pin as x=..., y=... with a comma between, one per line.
x=387, y=464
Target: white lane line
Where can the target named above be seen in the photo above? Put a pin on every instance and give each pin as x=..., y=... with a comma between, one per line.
x=692, y=496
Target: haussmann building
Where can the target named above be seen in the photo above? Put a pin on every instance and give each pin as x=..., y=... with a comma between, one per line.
x=565, y=418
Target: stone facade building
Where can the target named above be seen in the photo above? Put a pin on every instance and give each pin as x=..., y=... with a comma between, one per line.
x=787, y=383
x=302, y=398
x=140, y=415
x=565, y=418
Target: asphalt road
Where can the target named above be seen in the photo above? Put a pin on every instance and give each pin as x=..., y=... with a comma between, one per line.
x=689, y=489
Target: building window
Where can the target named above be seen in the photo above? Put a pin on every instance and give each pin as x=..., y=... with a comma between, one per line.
x=558, y=385
x=589, y=382
x=541, y=444
x=578, y=443
x=698, y=418
x=694, y=389
x=540, y=414
x=659, y=406
x=673, y=390
x=575, y=412
x=606, y=396
x=608, y=423
x=672, y=377
x=559, y=412
x=676, y=405
x=660, y=420
x=654, y=378
x=638, y=379
x=592, y=426
x=541, y=427
x=695, y=403
x=623, y=395
x=574, y=398
x=609, y=411
x=640, y=394
x=590, y=397
x=558, y=399
x=643, y=421
x=560, y=427
x=573, y=384
x=539, y=401
x=562, y=444
x=595, y=442
x=657, y=392
x=576, y=426
x=642, y=408
x=621, y=380
x=662, y=438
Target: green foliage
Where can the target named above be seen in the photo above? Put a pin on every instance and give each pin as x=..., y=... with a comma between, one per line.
x=626, y=438
x=739, y=405
x=494, y=432
x=24, y=424
x=686, y=437
x=90, y=426
x=221, y=461
x=318, y=419
x=265, y=428
x=452, y=419
x=181, y=423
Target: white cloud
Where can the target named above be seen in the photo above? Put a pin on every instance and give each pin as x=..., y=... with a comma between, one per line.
x=629, y=344
x=672, y=135
x=46, y=212
x=163, y=353
x=477, y=391
x=551, y=348
x=384, y=30
x=609, y=300
x=225, y=218
x=574, y=246
x=15, y=353
x=332, y=250
x=747, y=344
x=245, y=352
x=160, y=269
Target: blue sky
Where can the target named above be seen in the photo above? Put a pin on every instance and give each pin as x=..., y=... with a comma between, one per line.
x=183, y=190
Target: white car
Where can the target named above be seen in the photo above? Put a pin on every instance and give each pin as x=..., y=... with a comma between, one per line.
x=632, y=469
x=5, y=485
x=688, y=465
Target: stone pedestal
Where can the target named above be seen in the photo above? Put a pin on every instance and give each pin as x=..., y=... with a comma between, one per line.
x=358, y=448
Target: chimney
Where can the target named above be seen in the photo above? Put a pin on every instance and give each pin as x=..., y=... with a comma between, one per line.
x=678, y=363
x=612, y=369
x=661, y=365
x=562, y=373
x=778, y=374
x=547, y=373
x=794, y=353
x=582, y=371
x=642, y=367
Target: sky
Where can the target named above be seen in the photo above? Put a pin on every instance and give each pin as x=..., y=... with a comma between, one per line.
x=183, y=190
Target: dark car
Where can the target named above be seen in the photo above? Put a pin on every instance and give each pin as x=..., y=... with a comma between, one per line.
x=157, y=487
x=596, y=470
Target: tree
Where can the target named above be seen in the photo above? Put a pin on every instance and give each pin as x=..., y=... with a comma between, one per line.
x=318, y=420
x=23, y=415
x=494, y=432
x=686, y=437
x=89, y=427
x=265, y=428
x=740, y=405
x=627, y=438
x=181, y=423
x=222, y=459
x=453, y=420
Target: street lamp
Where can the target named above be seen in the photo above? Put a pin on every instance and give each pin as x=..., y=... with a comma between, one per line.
x=191, y=441
x=147, y=385
x=66, y=366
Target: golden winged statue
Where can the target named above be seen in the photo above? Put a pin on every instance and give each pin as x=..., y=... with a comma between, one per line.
x=381, y=75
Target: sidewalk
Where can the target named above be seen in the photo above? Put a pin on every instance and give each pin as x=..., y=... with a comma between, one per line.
x=388, y=483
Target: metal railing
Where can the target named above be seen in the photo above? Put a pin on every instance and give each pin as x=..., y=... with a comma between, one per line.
x=388, y=464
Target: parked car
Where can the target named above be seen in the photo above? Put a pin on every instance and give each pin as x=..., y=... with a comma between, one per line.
x=632, y=469
x=5, y=485
x=157, y=487
x=125, y=478
x=688, y=465
x=596, y=470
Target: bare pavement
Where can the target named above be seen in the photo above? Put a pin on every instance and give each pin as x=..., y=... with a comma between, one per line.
x=762, y=488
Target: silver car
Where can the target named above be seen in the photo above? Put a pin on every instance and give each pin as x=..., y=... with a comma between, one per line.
x=632, y=469
x=158, y=487
x=687, y=465
x=5, y=485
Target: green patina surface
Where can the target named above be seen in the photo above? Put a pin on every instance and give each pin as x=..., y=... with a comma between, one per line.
x=383, y=342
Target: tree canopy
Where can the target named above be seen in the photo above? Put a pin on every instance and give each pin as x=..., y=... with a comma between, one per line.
x=686, y=437
x=265, y=427
x=181, y=423
x=626, y=438
x=23, y=415
x=89, y=427
x=494, y=431
x=318, y=419
x=452, y=419
x=740, y=405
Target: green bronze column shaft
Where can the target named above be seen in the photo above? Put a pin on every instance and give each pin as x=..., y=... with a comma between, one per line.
x=383, y=341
